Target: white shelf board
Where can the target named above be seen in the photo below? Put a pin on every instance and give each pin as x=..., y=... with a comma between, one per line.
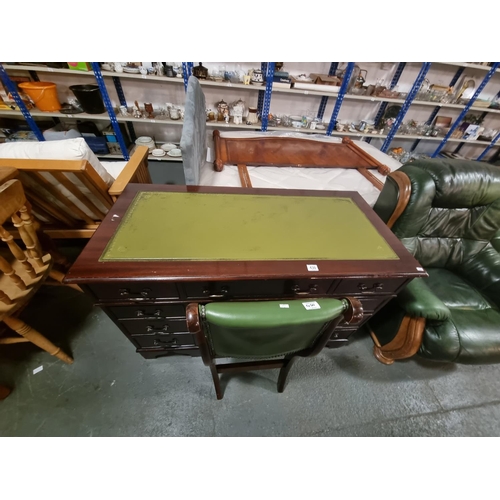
x=468, y=65
x=45, y=69
x=44, y=114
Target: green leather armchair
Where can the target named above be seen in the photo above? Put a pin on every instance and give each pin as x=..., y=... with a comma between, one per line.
x=447, y=214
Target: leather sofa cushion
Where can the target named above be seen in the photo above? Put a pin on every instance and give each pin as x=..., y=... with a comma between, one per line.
x=455, y=291
x=470, y=336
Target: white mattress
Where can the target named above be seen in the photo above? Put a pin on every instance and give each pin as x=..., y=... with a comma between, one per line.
x=333, y=179
x=114, y=168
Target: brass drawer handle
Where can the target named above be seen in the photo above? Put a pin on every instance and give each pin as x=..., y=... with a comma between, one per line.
x=152, y=329
x=160, y=342
x=224, y=291
x=312, y=289
x=376, y=286
x=125, y=292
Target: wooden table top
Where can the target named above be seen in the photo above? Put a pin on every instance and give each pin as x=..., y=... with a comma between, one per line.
x=197, y=232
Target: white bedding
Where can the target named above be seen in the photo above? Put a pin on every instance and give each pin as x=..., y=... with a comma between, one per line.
x=334, y=179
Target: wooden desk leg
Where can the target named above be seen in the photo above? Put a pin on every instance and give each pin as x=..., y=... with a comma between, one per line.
x=4, y=392
x=36, y=338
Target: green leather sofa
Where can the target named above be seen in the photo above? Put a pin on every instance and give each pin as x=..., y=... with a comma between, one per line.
x=447, y=214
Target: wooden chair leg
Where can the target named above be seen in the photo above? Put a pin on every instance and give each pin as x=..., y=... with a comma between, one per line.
x=284, y=373
x=36, y=338
x=215, y=376
x=4, y=392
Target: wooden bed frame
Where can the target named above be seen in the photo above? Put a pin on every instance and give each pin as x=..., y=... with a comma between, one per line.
x=293, y=152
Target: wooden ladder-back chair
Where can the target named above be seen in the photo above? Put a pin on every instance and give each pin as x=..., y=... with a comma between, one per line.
x=22, y=272
x=272, y=333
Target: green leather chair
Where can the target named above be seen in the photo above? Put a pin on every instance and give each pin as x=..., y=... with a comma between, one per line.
x=271, y=333
x=447, y=214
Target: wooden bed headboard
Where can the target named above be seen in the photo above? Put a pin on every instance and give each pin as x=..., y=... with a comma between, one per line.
x=293, y=152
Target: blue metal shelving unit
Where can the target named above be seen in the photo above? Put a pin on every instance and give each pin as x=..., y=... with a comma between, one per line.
x=383, y=105
x=109, y=108
x=187, y=71
x=324, y=99
x=340, y=98
x=406, y=106
x=121, y=97
x=461, y=116
x=262, y=93
x=266, y=105
x=434, y=113
x=11, y=88
x=488, y=148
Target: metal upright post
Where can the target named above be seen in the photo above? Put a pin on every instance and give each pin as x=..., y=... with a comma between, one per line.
x=461, y=116
x=324, y=99
x=187, y=71
x=11, y=88
x=493, y=142
x=340, y=98
x=437, y=108
x=262, y=93
x=406, y=106
x=267, y=97
x=383, y=105
x=109, y=108
x=123, y=102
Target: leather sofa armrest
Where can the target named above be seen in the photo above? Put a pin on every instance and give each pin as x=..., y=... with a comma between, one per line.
x=418, y=300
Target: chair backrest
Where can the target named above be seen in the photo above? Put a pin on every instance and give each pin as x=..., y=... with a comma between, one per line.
x=19, y=273
x=452, y=212
x=266, y=329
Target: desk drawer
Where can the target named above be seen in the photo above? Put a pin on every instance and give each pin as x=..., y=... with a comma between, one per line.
x=372, y=303
x=161, y=326
x=257, y=289
x=369, y=286
x=165, y=341
x=149, y=311
x=135, y=290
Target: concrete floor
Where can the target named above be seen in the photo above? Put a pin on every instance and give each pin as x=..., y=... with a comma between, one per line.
x=112, y=391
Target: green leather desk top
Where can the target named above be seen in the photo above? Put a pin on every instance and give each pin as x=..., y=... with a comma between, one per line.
x=244, y=227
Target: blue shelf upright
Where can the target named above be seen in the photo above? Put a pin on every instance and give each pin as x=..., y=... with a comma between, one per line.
x=187, y=71
x=383, y=105
x=406, y=106
x=461, y=116
x=488, y=148
x=109, y=108
x=11, y=88
x=340, y=98
x=435, y=111
x=266, y=105
x=324, y=99
x=262, y=93
x=121, y=97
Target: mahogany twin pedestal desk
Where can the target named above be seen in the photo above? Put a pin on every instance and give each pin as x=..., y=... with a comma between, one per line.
x=163, y=247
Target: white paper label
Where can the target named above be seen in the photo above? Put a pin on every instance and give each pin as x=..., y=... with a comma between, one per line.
x=285, y=306
x=311, y=305
x=420, y=268
x=312, y=267
x=36, y=370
